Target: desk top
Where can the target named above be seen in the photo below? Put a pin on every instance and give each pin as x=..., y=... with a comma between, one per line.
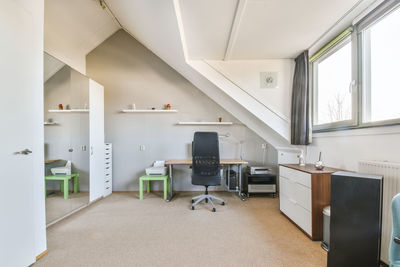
x=309, y=168
x=189, y=162
x=51, y=160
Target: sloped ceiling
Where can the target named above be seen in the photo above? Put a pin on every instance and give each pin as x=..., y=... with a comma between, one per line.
x=256, y=29
x=75, y=27
x=51, y=66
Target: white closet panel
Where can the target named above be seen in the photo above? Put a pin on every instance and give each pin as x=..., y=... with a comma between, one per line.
x=96, y=97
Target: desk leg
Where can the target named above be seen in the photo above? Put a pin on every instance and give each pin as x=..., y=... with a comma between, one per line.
x=171, y=193
x=240, y=182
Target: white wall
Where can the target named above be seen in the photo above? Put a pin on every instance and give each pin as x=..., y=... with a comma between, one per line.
x=246, y=75
x=344, y=149
x=130, y=74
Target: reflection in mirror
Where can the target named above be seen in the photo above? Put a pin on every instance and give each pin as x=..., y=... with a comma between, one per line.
x=66, y=136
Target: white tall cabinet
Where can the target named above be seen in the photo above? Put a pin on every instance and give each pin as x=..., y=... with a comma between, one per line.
x=96, y=98
x=107, y=169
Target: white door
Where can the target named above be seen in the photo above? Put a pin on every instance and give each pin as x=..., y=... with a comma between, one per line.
x=96, y=99
x=18, y=84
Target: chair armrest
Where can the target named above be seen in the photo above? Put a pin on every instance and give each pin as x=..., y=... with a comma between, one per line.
x=396, y=240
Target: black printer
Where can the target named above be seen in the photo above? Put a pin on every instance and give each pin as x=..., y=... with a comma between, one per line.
x=255, y=183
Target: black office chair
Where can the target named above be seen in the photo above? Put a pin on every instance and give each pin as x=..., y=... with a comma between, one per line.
x=206, y=169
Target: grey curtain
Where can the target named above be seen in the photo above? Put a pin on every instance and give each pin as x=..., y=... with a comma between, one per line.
x=301, y=117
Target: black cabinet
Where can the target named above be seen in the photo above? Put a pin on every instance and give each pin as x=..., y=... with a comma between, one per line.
x=259, y=183
x=355, y=226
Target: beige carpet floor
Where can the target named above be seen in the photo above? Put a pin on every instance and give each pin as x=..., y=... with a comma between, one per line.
x=121, y=230
x=57, y=206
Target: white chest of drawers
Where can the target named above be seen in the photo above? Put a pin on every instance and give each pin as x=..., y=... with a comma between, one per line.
x=303, y=193
x=107, y=169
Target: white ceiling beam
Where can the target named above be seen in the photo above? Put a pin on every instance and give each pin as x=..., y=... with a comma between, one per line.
x=240, y=8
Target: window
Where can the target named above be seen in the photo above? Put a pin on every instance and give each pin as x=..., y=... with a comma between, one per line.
x=381, y=66
x=332, y=79
x=356, y=76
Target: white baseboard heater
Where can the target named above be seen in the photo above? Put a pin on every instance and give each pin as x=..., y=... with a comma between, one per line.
x=391, y=187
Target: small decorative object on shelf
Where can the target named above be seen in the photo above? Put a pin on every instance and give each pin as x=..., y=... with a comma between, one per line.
x=133, y=107
x=168, y=107
x=319, y=165
x=153, y=108
x=60, y=107
x=220, y=119
x=302, y=161
x=67, y=107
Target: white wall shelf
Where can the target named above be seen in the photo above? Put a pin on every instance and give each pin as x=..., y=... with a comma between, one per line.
x=148, y=110
x=68, y=110
x=204, y=123
x=50, y=123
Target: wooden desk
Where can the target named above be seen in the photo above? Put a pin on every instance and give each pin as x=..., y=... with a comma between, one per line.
x=51, y=161
x=228, y=162
x=189, y=162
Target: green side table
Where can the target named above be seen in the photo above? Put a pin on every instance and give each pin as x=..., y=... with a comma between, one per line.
x=64, y=179
x=148, y=178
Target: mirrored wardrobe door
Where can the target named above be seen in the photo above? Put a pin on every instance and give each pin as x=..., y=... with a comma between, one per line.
x=66, y=139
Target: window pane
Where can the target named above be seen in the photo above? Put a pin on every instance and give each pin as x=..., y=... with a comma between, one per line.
x=333, y=96
x=382, y=69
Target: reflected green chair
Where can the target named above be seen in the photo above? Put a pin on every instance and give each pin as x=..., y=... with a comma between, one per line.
x=64, y=185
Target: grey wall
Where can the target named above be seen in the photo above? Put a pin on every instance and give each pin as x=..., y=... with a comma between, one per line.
x=130, y=74
x=67, y=87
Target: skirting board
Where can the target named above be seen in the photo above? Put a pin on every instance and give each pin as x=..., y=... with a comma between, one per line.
x=38, y=257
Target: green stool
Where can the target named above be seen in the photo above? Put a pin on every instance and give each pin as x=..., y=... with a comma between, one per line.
x=64, y=183
x=149, y=178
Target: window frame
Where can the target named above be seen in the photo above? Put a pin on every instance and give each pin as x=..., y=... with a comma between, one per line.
x=354, y=118
x=359, y=109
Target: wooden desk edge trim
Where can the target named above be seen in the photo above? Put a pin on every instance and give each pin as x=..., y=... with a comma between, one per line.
x=297, y=167
x=222, y=162
x=38, y=257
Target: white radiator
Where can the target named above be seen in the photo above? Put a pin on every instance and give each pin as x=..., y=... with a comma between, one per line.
x=391, y=187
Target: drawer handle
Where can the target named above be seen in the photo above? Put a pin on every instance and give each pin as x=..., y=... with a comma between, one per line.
x=107, y=168
x=107, y=187
x=107, y=181
x=107, y=174
x=293, y=201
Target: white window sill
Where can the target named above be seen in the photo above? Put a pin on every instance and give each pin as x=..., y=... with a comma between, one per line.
x=384, y=130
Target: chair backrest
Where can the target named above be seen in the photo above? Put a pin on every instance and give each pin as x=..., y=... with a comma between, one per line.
x=205, y=156
x=394, y=251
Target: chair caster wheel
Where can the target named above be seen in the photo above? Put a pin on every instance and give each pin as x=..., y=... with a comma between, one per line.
x=192, y=201
x=223, y=203
x=192, y=207
x=214, y=210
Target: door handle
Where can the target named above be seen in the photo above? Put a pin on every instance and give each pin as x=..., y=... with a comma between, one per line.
x=91, y=150
x=23, y=152
x=396, y=240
